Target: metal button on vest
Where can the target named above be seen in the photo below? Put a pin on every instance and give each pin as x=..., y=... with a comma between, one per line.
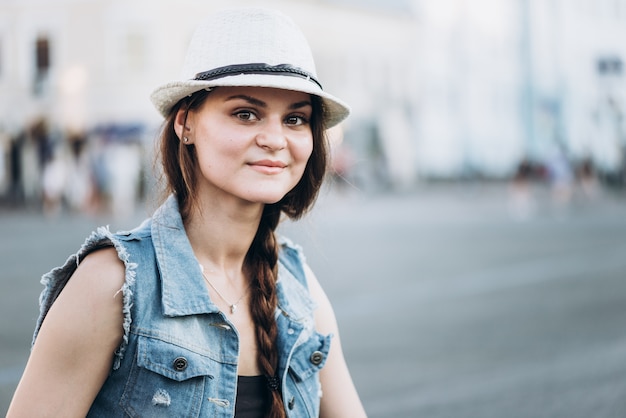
x=291, y=403
x=180, y=364
x=317, y=357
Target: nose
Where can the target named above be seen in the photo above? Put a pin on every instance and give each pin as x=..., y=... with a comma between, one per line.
x=271, y=136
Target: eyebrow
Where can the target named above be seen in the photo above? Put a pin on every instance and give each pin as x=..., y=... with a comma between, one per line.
x=261, y=103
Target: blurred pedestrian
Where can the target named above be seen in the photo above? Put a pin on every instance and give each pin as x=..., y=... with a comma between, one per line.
x=208, y=312
x=521, y=202
x=80, y=179
x=53, y=182
x=30, y=153
x=16, y=180
x=561, y=178
x=123, y=162
x=5, y=163
x=588, y=179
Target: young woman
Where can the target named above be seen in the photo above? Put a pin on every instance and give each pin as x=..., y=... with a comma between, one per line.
x=203, y=310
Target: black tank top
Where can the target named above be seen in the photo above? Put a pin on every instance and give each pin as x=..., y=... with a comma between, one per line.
x=252, y=397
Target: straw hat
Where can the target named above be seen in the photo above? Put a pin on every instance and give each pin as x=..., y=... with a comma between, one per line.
x=248, y=47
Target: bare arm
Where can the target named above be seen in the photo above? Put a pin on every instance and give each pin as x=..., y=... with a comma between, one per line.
x=339, y=396
x=73, y=352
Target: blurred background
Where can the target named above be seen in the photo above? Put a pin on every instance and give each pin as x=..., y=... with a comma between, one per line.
x=473, y=237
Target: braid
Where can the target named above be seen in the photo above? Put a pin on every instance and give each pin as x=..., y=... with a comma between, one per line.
x=262, y=259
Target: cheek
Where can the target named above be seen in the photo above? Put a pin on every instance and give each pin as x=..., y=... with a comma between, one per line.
x=217, y=148
x=303, y=150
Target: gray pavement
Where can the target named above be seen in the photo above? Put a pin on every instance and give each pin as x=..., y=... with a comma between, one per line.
x=448, y=305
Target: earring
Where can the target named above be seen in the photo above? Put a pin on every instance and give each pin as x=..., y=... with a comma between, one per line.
x=185, y=139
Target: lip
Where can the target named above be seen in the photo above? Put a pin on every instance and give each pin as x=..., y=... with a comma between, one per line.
x=268, y=166
x=269, y=163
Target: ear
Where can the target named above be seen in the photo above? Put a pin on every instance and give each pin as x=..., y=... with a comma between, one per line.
x=181, y=123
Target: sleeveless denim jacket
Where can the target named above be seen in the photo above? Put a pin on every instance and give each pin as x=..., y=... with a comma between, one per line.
x=178, y=357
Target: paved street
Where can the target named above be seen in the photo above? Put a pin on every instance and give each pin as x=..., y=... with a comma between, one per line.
x=447, y=304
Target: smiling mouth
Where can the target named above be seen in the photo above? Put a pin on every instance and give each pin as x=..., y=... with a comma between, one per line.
x=268, y=166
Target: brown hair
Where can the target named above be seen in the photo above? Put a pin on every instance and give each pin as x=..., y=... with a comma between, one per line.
x=261, y=262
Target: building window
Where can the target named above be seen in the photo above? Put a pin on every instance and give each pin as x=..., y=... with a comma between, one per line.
x=42, y=64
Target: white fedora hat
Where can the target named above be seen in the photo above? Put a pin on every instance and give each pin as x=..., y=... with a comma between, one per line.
x=248, y=47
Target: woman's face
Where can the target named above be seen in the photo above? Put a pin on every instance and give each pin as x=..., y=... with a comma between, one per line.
x=252, y=143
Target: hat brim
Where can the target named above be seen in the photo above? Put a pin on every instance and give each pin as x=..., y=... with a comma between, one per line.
x=166, y=96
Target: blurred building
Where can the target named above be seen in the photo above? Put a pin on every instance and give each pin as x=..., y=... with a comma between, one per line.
x=451, y=88
x=502, y=81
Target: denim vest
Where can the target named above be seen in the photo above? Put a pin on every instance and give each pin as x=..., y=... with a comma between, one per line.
x=179, y=353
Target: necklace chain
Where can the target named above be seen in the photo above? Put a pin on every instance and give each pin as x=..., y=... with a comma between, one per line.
x=233, y=306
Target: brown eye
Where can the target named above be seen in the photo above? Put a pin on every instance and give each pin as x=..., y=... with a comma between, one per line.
x=245, y=115
x=295, y=120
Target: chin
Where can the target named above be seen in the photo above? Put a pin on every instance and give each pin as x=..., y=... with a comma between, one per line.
x=269, y=195
x=272, y=200
x=266, y=198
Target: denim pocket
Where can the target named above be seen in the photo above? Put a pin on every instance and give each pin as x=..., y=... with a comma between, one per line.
x=166, y=380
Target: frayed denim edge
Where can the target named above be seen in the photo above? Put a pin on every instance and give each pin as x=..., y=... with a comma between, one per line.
x=55, y=280
x=127, y=293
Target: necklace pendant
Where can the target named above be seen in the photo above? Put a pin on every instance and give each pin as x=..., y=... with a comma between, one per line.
x=233, y=308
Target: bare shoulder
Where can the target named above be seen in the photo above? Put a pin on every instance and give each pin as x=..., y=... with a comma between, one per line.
x=96, y=283
x=340, y=397
x=75, y=347
x=324, y=315
x=95, y=291
x=103, y=264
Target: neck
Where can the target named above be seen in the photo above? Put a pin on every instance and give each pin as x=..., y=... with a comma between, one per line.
x=221, y=234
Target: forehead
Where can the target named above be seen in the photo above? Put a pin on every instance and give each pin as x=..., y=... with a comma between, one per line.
x=265, y=94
